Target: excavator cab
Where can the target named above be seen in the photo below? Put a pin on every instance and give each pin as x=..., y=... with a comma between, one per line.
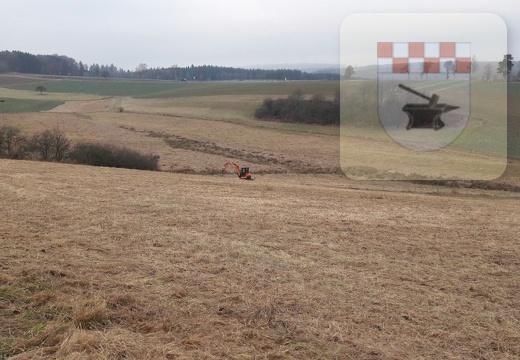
x=243, y=172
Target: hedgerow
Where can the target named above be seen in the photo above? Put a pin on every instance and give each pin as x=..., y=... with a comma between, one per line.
x=53, y=145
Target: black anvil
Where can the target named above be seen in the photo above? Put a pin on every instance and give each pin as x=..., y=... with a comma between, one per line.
x=425, y=116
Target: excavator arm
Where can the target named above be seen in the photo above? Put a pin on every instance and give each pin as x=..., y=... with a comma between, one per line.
x=234, y=166
x=242, y=173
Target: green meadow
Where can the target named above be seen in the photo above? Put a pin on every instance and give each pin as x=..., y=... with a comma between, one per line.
x=168, y=89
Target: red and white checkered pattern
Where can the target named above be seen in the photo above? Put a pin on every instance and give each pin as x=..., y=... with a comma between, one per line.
x=408, y=57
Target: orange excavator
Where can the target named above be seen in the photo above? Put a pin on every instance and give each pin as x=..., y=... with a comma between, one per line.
x=242, y=172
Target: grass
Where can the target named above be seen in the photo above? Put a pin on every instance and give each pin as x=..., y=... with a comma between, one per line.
x=235, y=109
x=161, y=265
x=193, y=263
x=228, y=101
x=214, y=101
x=15, y=79
x=265, y=88
x=27, y=105
x=169, y=89
x=32, y=95
x=219, y=140
x=98, y=87
x=479, y=152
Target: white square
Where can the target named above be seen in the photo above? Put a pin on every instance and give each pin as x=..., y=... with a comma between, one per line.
x=384, y=64
x=415, y=64
x=400, y=50
x=462, y=50
x=384, y=61
x=432, y=50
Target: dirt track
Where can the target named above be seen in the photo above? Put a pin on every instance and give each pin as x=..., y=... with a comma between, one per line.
x=87, y=106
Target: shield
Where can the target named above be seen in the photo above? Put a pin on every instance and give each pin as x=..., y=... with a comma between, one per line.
x=405, y=107
x=423, y=92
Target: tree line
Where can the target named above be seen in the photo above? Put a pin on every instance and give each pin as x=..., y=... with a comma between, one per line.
x=22, y=62
x=487, y=70
x=211, y=72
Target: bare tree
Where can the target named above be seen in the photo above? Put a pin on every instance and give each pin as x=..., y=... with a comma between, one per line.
x=449, y=66
x=174, y=70
x=42, y=144
x=50, y=144
x=61, y=144
x=366, y=93
x=2, y=140
x=297, y=95
x=425, y=68
x=141, y=69
x=488, y=72
x=11, y=141
x=349, y=71
x=474, y=64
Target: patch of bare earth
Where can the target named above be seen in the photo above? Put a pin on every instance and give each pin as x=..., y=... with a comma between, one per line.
x=110, y=263
x=86, y=106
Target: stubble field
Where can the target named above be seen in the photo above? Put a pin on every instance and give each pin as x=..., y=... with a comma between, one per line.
x=301, y=263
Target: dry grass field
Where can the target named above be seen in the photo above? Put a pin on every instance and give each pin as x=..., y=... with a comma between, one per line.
x=192, y=263
x=111, y=263
x=194, y=145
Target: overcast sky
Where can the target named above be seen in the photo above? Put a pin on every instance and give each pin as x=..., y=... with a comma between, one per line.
x=226, y=32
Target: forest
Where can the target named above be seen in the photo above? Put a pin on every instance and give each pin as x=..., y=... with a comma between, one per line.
x=60, y=65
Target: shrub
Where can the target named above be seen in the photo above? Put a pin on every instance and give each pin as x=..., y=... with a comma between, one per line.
x=13, y=144
x=53, y=145
x=295, y=108
x=50, y=145
x=113, y=156
x=41, y=144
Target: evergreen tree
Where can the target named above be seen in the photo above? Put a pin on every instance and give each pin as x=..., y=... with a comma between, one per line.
x=505, y=66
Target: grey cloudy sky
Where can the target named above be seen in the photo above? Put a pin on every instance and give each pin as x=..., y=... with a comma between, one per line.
x=226, y=32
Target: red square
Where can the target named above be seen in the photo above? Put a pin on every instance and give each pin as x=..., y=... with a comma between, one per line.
x=384, y=49
x=447, y=49
x=416, y=49
x=463, y=65
x=433, y=67
x=400, y=65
